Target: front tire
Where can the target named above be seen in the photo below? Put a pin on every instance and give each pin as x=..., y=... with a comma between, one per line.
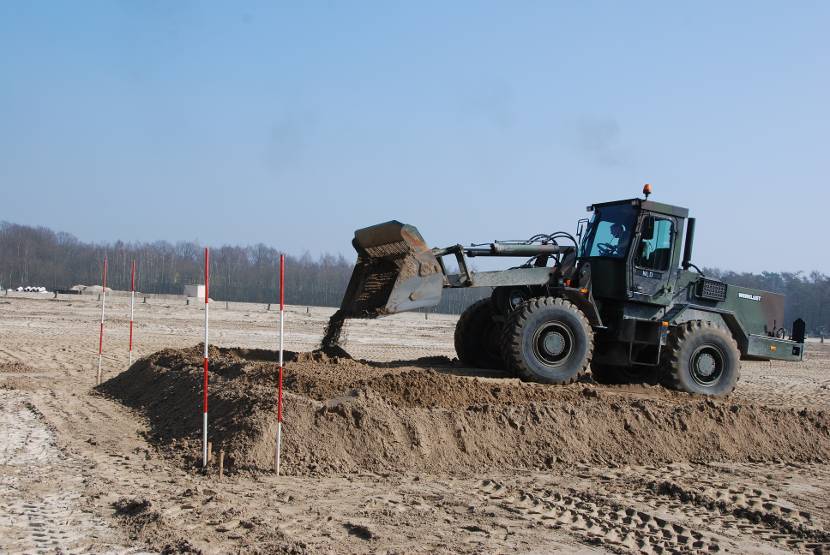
x=702, y=358
x=548, y=340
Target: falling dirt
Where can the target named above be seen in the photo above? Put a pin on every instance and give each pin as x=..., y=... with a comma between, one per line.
x=356, y=416
x=330, y=345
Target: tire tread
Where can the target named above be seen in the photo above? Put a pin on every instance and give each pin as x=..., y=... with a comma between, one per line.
x=468, y=346
x=681, y=334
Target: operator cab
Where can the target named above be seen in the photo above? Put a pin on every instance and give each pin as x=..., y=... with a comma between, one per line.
x=630, y=250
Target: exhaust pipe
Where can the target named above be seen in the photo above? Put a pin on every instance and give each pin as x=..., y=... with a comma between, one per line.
x=690, y=241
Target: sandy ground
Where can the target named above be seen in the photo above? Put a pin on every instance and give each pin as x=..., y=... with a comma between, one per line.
x=79, y=472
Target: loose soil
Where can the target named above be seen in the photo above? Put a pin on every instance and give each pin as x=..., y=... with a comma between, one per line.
x=357, y=416
x=407, y=453
x=332, y=335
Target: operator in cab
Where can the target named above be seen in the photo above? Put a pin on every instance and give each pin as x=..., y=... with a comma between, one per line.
x=622, y=235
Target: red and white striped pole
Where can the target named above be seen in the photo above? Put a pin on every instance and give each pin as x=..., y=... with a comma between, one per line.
x=279, y=386
x=205, y=384
x=132, y=309
x=101, y=332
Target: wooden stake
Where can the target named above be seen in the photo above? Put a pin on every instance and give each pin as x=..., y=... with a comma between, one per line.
x=210, y=452
x=221, y=463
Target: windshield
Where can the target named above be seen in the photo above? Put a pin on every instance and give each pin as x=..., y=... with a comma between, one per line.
x=609, y=232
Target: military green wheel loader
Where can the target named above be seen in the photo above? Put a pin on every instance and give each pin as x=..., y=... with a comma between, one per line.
x=620, y=299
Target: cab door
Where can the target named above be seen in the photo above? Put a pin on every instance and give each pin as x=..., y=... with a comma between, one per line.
x=650, y=259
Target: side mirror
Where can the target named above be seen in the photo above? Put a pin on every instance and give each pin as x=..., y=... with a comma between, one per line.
x=647, y=231
x=580, y=229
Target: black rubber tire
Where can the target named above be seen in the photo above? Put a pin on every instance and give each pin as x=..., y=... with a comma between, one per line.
x=616, y=375
x=521, y=341
x=694, y=339
x=477, y=337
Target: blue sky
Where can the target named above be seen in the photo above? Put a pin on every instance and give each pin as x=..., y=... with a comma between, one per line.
x=292, y=124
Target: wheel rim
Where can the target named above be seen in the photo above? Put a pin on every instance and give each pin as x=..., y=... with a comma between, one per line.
x=707, y=363
x=553, y=343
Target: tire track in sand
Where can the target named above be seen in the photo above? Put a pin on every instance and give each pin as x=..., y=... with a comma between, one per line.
x=40, y=488
x=600, y=521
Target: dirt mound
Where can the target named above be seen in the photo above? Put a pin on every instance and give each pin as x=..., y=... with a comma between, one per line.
x=344, y=415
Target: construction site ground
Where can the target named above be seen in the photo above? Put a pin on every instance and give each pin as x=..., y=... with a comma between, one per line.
x=396, y=449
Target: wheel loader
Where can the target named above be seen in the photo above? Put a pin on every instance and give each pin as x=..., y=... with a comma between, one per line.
x=620, y=299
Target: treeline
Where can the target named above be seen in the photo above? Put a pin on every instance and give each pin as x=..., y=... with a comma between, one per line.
x=39, y=256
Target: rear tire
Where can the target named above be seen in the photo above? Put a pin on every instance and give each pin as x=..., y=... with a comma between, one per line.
x=548, y=340
x=617, y=375
x=477, y=337
x=702, y=358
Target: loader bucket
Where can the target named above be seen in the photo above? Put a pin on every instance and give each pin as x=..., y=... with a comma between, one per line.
x=395, y=272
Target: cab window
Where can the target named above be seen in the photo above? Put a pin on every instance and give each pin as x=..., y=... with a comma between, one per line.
x=610, y=231
x=654, y=250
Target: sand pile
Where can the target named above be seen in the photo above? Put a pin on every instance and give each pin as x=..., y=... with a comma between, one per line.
x=344, y=416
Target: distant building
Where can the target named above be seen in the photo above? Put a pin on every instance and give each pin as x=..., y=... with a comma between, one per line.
x=94, y=290
x=197, y=291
